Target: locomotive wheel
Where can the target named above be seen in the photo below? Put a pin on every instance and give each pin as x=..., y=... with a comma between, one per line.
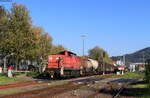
x=57, y=75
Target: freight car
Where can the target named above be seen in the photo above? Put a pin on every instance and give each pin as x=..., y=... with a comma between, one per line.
x=88, y=66
x=67, y=63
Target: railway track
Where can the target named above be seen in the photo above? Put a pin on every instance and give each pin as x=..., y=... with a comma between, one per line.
x=118, y=93
x=108, y=91
x=122, y=88
x=46, y=92
x=20, y=84
x=38, y=82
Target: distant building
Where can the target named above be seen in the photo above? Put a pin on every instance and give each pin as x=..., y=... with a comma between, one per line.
x=132, y=67
x=137, y=67
x=120, y=66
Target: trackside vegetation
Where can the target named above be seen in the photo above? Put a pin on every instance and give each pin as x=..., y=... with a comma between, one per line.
x=130, y=75
x=147, y=75
x=4, y=79
x=147, y=72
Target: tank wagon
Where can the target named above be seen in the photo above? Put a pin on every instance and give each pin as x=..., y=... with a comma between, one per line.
x=66, y=64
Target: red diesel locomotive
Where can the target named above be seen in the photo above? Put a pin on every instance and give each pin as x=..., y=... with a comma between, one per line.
x=63, y=64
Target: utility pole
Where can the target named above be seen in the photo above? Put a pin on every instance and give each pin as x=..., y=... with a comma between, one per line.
x=143, y=57
x=103, y=63
x=83, y=36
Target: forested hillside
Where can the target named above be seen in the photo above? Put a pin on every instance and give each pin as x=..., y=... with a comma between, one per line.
x=138, y=56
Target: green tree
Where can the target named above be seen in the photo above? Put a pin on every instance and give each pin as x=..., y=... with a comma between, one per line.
x=21, y=35
x=99, y=54
x=4, y=31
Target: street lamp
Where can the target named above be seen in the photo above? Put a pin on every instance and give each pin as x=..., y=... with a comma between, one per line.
x=5, y=59
x=83, y=36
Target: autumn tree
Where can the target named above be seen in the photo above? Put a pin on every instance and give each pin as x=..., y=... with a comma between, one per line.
x=42, y=43
x=45, y=45
x=56, y=49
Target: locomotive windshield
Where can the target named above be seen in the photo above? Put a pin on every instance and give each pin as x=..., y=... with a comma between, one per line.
x=68, y=52
x=62, y=53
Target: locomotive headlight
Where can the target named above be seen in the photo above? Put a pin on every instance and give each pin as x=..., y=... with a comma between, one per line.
x=58, y=58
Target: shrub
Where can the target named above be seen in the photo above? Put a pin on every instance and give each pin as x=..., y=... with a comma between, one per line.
x=33, y=74
x=2, y=74
x=18, y=73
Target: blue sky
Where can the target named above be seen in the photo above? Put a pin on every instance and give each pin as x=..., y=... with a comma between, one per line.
x=118, y=26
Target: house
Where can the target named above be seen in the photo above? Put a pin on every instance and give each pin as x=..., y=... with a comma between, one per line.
x=118, y=62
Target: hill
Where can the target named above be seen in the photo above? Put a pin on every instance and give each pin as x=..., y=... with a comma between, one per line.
x=138, y=56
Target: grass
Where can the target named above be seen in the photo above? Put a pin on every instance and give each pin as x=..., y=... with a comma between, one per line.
x=58, y=82
x=85, y=88
x=130, y=75
x=141, y=88
x=10, y=91
x=4, y=79
x=145, y=96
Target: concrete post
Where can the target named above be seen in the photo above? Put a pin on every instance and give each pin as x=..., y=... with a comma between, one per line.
x=0, y=69
x=10, y=72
